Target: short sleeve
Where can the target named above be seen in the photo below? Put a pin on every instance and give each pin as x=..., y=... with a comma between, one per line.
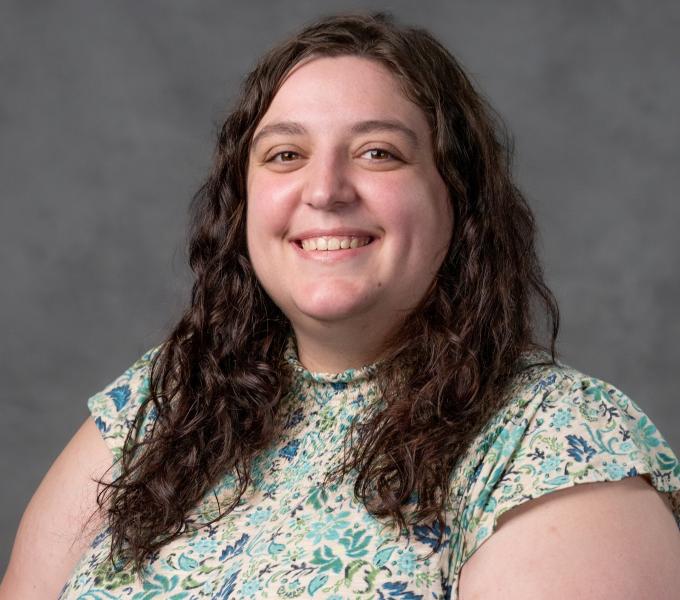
x=564, y=429
x=115, y=407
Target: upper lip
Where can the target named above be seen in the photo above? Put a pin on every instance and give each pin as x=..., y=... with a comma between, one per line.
x=335, y=232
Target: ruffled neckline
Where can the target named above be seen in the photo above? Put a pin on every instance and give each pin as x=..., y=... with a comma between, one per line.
x=358, y=375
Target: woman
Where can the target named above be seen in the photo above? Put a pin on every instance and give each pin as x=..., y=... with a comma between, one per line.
x=354, y=404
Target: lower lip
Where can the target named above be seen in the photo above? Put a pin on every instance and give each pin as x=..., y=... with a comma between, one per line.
x=333, y=256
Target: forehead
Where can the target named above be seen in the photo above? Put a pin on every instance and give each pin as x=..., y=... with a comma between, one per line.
x=342, y=89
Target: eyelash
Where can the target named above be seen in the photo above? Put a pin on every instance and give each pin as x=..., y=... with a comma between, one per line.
x=274, y=156
x=390, y=155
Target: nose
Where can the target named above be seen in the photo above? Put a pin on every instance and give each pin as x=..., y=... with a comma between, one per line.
x=328, y=183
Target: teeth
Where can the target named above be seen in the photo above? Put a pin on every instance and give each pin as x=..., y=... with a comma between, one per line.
x=334, y=243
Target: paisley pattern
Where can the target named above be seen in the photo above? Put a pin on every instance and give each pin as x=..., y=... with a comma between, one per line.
x=290, y=537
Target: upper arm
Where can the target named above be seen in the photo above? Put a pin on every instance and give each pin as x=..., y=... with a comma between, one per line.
x=594, y=540
x=50, y=538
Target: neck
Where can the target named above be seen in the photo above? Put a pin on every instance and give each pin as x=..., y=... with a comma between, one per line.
x=327, y=348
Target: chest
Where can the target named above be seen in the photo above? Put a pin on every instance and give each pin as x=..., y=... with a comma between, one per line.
x=289, y=537
x=283, y=543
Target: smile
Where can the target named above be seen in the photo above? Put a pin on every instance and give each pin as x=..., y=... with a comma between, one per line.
x=332, y=243
x=313, y=248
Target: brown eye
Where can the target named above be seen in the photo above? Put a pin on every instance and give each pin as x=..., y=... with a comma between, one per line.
x=380, y=154
x=284, y=156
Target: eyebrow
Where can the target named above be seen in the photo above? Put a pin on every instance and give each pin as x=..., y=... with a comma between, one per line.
x=370, y=126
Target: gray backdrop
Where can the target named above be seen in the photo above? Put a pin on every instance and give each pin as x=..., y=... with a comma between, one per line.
x=108, y=112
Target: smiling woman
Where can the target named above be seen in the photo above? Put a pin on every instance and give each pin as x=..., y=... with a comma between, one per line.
x=355, y=404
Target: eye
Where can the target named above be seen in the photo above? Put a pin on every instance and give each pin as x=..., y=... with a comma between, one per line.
x=379, y=154
x=283, y=156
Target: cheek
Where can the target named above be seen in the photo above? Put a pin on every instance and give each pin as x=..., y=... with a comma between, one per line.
x=269, y=206
x=416, y=209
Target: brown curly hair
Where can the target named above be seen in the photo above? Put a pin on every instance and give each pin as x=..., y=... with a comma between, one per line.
x=217, y=381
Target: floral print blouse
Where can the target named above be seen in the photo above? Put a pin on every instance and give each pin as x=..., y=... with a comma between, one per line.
x=292, y=538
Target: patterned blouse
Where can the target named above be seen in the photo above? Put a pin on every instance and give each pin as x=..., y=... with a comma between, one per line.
x=292, y=538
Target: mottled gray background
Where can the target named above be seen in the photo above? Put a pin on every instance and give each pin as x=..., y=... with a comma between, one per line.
x=108, y=114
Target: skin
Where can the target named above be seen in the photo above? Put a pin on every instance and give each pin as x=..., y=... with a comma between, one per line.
x=327, y=174
x=592, y=541
x=54, y=530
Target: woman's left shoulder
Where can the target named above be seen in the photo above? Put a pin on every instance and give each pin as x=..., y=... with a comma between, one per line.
x=559, y=427
x=584, y=418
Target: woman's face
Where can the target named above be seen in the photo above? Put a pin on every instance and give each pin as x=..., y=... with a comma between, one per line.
x=342, y=157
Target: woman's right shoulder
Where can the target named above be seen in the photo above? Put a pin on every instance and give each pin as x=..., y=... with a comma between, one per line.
x=115, y=407
x=58, y=522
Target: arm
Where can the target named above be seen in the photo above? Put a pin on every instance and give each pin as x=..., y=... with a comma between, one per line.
x=49, y=541
x=591, y=541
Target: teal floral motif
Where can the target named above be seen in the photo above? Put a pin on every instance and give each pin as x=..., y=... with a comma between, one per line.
x=407, y=563
x=669, y=463
x=186, y=563
x=593, y=390
x=644, y=434
x=258, y=516
x=561, y=418
x=251, y=587
x=160, y=584
x=355, y=542
x=329, y=528
x=627, y=446
x=326, y=559
x=383, y=556
x=550, y=464
x=205, y=546
x=506, y=442
x=317, y=497
x=614, y=470
x=316, y=583
x=291, y=537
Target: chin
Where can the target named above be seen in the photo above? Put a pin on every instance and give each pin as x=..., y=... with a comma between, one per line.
x=335, y=296
x=331, y=309
x=328, y=314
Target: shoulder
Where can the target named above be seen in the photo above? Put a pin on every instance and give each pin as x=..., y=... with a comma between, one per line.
x=63, y=513
x=559, y=427
x=614, y=539
x=115, y=407
x=572, y=427
x=57, y=524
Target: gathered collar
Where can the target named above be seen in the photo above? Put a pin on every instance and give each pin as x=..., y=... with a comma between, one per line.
x=358, y=375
